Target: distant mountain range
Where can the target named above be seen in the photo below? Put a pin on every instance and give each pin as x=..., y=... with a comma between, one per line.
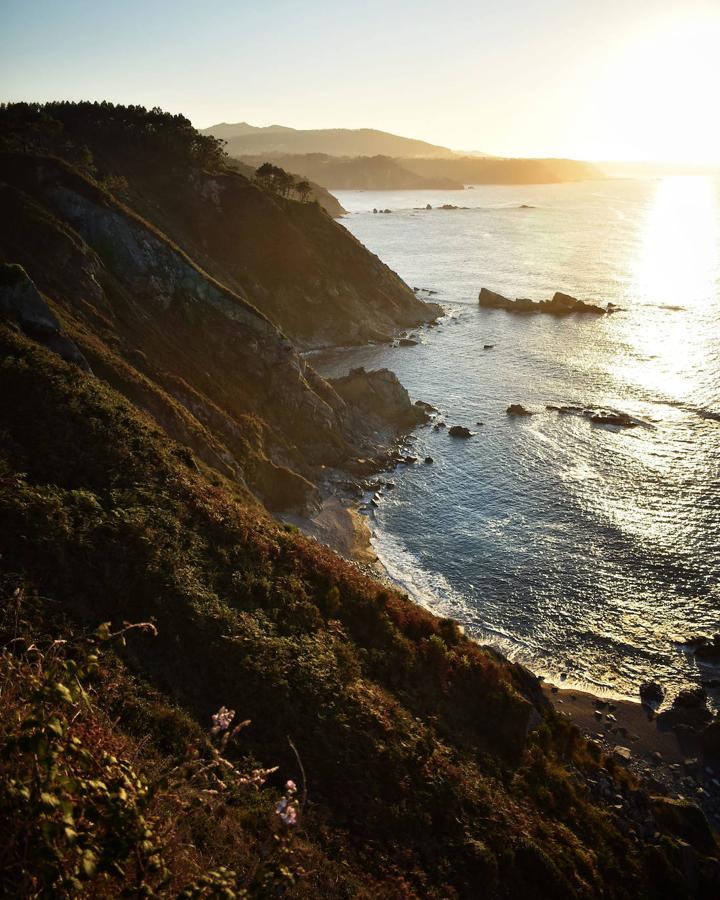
x=368, y=159
x=247, y=140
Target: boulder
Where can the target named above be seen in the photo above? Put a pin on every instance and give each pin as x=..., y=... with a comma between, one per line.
x=685, y=821
x=517, y=409
x=710, y=738
x=692, y=698
x=459, y=431
x=705, y=648
x=651, y=692
x=408, y=342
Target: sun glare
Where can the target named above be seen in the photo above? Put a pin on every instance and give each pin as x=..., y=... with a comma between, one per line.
x=677, y=268
x=655, y=98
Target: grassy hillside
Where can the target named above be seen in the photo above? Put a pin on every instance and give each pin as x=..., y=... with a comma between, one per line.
x=432, y=769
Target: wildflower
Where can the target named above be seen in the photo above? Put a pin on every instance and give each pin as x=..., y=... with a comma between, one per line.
x=289, y=817
x=222, y=718
x=291, y=787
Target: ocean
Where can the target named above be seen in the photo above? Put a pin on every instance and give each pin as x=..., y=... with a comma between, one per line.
x=587, y=552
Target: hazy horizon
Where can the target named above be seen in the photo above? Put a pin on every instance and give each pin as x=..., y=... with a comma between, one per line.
x=611, y=81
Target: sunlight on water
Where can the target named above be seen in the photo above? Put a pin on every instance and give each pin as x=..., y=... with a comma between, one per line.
x=576, y=548
x=677, y=268
x=679, y=258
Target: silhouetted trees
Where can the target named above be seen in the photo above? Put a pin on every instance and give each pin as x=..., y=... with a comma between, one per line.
x=278, y=181
x=121, y=137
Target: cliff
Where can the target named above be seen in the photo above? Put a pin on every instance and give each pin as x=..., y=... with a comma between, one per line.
x=289, y=259
x=151, y=418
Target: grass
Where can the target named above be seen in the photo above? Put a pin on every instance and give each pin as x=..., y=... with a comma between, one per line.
x=420, y=778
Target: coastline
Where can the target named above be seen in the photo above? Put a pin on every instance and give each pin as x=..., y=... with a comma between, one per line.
x=666, y=762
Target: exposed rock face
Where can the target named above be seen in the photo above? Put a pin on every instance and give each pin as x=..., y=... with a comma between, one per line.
x=20, y=300
x=459, y=431
x=560, y=305
x=212, y=370
x=380, y=398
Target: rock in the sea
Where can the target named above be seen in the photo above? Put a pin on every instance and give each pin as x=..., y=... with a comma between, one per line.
x=408, y=342
x=561, y=304
x=488, y=346
x=651, y=692
x=517, y=409
x=612, y=418
x=429, y=460
x=459, y=431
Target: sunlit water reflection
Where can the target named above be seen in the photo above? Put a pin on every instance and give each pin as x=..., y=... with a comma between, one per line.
x=577, y=548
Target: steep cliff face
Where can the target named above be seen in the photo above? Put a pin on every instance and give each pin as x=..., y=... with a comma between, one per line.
x=213, y=370
x=291, y=260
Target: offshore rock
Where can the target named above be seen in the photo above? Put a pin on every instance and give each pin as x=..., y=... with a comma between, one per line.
x=560, y=305
x=517, y=409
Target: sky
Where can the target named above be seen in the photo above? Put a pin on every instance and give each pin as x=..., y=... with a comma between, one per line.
x=590, y=79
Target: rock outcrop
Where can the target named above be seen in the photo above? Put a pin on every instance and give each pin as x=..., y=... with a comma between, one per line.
x=380, y=398
x=560, y=305
x=20, y=301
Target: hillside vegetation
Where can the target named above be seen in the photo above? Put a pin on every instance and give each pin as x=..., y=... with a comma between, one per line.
x=196, y=701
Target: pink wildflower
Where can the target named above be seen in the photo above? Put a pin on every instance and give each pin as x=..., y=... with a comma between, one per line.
x=222, y=718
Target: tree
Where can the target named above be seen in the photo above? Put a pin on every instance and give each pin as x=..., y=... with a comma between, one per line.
x=303, y=189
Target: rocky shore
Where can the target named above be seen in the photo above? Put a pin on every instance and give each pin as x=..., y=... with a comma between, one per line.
x=670, y=762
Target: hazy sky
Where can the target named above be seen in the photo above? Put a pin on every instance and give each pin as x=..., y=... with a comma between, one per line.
x=600, y=79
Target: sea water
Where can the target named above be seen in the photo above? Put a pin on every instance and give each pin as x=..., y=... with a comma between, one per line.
x=588, y=552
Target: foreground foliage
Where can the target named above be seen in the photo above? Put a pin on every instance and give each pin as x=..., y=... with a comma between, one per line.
x=423, y=777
